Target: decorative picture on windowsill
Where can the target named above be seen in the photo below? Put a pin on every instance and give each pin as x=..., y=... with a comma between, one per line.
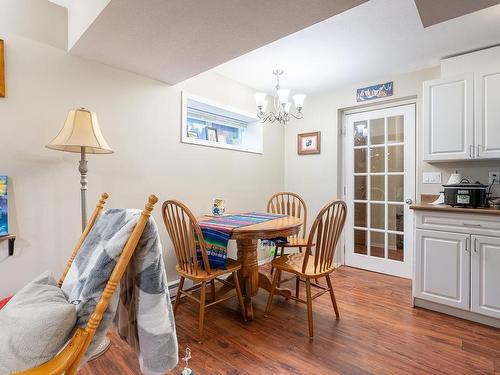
x=212, y=134
x=309, y=143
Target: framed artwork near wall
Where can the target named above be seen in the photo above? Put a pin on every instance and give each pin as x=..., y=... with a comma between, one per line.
x=212, y=134
x=2, y=70
x=309, y=143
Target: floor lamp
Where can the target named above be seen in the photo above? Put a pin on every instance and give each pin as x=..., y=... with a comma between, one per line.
x=81, y=134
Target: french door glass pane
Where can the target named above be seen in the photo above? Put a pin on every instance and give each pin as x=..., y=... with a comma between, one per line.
x=360, y=160
x=377, y=159
x=360, y=214
x=360, y=188
x=395, y=129
x=377, y=244
x=377, y=131
x=395, y=158
x=395, y=188
x=377, y=216
x=396, y=217
x=395, y=247
x=360, y=242
x=377, y=188
x=360, y=133
x=379, y=156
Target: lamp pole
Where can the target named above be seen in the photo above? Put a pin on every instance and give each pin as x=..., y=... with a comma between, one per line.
x=83, y=169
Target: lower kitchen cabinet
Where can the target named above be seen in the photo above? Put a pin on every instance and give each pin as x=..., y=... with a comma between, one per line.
x=485, y=276
x=457, y=264
x=443, y=268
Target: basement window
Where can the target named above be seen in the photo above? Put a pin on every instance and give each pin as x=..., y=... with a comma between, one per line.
x=206, y=123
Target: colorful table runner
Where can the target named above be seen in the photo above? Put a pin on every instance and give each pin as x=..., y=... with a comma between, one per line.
x=217, y=232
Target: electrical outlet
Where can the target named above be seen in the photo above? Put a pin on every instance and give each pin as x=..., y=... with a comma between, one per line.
x=494, y=176
x=432, y=177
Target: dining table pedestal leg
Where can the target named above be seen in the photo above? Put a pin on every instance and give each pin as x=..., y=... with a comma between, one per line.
x=249, y=273
x=249, y=276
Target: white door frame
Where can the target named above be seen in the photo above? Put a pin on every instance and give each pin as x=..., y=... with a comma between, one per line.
x=410, y=139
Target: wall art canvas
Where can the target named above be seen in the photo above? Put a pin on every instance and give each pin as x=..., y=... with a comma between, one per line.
x=309, y=143
x=381, y=90
x=2, y=70
x=4, y=220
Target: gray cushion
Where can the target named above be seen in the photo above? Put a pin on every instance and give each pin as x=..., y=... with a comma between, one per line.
x=35, y=325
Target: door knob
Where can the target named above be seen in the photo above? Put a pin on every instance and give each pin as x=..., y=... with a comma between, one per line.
x=409, y=201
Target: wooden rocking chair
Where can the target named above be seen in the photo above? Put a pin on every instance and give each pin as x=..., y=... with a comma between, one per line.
x=68, y=360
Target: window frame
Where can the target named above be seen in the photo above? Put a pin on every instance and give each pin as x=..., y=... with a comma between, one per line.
x=257, y=127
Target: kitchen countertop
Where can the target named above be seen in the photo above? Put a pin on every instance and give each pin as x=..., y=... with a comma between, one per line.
x=446, y=208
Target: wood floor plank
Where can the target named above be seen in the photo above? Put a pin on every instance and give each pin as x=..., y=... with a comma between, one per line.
x=378, y=333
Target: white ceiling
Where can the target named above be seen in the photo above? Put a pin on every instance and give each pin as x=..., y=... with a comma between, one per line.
x=376, y=40
x=172, y=40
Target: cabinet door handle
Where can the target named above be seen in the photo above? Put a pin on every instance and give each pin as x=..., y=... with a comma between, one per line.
x=467, y=244
x=470, y=151
x=475, y=245
x=477, y=154
x=471, y=225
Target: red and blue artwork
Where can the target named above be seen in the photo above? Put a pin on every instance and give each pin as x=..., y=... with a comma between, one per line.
x=4, y=219
x=381, y=90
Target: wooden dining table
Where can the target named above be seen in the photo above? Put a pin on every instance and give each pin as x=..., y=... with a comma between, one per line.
x=247, y=238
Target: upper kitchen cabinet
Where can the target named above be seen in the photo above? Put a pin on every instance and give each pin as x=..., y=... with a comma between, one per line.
x=487, y=111
x=448, y=116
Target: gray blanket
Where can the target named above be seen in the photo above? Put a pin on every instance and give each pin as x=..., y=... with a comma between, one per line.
x=141, y=308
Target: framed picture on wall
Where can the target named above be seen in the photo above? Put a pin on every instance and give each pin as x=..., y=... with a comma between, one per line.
x=309, y=143
x=212, y=134
x=4, y=219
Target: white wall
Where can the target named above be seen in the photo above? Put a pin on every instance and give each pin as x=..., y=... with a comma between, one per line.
x=81, y=14
x=140, y=118
x=36, y=19
x=317, y=177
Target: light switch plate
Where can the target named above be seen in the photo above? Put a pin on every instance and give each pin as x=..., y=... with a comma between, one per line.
x=432, y=177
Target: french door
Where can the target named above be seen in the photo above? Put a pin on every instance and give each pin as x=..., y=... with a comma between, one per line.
x=380, y=185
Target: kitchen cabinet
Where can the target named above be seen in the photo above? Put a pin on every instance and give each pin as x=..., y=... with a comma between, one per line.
x=487, y=114
x=448, y=116
x=443, y=264
x=457, y=262
x=461, y=117
x=485, y=276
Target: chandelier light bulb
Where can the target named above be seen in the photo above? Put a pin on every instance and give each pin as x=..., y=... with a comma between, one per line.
x=287, y=107
x=260, y=99
x=298, y=99
x=283, y=95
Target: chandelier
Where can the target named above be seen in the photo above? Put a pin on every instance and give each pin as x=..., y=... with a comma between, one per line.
x=281, y=112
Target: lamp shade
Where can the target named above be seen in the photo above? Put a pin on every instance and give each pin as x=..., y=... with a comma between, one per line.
x=80, y=129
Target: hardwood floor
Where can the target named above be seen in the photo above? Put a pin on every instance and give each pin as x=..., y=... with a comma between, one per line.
x=378, y=333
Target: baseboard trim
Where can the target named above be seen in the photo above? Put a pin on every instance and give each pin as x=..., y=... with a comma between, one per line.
x=467, y=315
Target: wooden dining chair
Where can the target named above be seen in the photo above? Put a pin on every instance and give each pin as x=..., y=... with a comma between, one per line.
x=291, y=204
x=185, y=232
x=68, y=360
x=325, y=233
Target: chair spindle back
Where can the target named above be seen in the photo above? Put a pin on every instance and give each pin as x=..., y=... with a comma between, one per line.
x=182, y=227
x=325, y=233
x=292, y=204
